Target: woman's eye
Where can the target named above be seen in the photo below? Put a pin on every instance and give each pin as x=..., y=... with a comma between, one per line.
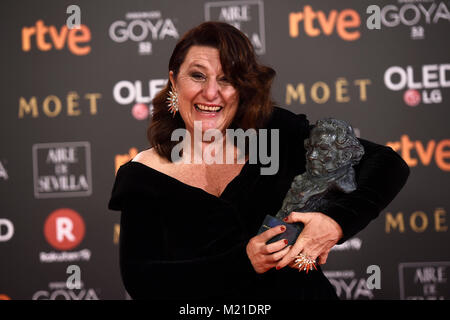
x=197, y=76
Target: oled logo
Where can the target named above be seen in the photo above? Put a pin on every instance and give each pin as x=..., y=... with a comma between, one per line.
x=62, y=170
x=145, y=28
x=64, y=229
x=421, y=84
x=6, y=230
x=126, y=92
x=247, y=16
x=49, y=37
x=424, y=280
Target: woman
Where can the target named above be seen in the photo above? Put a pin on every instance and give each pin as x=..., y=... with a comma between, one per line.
x=188, y=230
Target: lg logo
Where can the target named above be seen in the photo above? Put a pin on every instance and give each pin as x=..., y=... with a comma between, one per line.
x=64, y=229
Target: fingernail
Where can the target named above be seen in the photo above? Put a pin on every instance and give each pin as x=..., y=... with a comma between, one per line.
x=285, y=219
x=278, y=268
x=283, y=228
x=285, y=241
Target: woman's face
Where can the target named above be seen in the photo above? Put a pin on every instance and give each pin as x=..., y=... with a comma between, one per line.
x=204, y=93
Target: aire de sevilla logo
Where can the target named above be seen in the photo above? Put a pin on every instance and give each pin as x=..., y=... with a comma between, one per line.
x=64, y=229
x=49, y=37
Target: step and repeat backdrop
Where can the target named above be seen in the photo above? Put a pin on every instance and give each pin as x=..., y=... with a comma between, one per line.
x=75, y=105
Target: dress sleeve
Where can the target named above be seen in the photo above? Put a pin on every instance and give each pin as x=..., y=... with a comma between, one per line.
x=380, y=175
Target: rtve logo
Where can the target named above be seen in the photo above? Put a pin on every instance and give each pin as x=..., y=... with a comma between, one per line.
x=48, y=37
x=440, y=150
x=343, y=21
x=64, y=229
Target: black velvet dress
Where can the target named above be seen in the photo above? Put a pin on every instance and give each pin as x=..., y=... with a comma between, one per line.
x=180, y=242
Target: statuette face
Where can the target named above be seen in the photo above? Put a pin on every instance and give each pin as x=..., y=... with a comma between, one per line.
x=331, y=151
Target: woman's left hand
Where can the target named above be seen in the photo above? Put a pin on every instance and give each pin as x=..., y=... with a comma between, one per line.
x=317, y=238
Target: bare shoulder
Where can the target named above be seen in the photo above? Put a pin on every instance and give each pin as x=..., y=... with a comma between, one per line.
x=150, y=158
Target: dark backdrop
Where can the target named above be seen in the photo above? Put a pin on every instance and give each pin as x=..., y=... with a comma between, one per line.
x=72, y=101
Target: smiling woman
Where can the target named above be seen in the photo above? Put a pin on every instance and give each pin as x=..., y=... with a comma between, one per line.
x=204, y=92
x=212, y=67
x=188, y=230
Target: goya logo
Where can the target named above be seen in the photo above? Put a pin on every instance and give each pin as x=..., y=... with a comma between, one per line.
x=145, y=28
x=47, y=38
x=64, y=229
x=415, y=16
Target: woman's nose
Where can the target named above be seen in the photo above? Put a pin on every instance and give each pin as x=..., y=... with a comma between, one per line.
x=211, y=89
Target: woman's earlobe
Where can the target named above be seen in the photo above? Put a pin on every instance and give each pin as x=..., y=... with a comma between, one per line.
x=171, y=80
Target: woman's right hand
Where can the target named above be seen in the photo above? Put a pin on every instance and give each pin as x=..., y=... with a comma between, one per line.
x=265, y=256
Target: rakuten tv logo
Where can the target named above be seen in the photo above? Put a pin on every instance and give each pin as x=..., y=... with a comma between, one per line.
x=64, y=229
x=48, y=37
x=345, y=23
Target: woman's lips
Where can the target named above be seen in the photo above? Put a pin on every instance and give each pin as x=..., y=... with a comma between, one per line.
x=208, y=108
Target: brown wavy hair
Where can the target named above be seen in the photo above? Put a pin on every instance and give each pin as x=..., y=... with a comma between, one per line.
x=239, y=64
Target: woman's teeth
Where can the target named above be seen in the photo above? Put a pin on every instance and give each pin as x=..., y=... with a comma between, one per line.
x=203, y=108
